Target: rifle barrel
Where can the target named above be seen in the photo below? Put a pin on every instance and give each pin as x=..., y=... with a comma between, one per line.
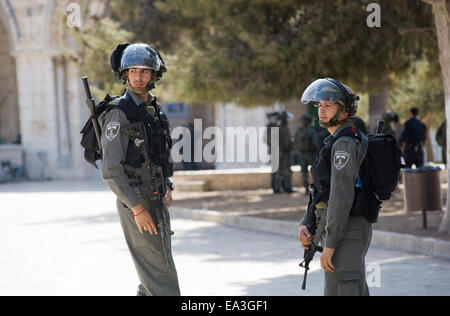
x=380, y=127
x=91, y=105
x=304, y=279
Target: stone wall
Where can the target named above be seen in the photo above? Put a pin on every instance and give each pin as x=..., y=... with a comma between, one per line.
x=9, y=111
x=50, y=104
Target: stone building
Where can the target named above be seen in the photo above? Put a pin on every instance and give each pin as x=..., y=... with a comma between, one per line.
x=41, y=99
x=42, y=107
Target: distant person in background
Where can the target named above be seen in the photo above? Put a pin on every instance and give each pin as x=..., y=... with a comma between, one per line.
x=441, y=139
x=285, y=173
x=389, y=118
x=359, y=124
x=413, y=139
x=307, y=144
x=273, y=123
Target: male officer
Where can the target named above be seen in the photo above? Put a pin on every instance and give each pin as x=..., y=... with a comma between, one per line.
x=389, y=118
x=284, y=174
x=307, y=144
x=412, y=139
x=345, y=237
x=135, y=135
x=273, y=123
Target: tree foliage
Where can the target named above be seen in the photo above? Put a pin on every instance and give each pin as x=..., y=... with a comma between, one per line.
x=261, y=51
x=97, y=43
x=256, y=52
x=421, y=89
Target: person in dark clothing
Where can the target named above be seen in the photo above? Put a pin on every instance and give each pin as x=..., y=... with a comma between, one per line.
x=307, y=144
x=359, y=124
x=412, y=140
x=283, y=177
x=441, y=139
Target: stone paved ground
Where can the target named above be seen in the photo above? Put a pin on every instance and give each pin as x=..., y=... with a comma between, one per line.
x=64, y=238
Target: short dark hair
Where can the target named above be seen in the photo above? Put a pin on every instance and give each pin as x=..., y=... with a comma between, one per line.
x=414, y=111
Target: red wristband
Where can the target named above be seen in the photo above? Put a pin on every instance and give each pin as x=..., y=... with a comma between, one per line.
x=139, y=213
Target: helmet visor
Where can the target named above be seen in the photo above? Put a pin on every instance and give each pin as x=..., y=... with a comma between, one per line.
x=322, y=89
x=140, y=56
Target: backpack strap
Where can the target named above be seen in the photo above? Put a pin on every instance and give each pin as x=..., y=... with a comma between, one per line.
x=364, y=146
x=355, y=133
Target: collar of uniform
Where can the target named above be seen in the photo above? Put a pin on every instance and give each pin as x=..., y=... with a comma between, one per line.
x=137, y=99
x=345, y=125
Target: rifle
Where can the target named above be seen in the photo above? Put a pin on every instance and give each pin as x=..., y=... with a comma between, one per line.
x=91, y=106
x=380, y=127
x=311, y=223
x=153, y=180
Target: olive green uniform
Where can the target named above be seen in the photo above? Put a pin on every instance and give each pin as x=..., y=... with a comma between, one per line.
x=156, y=275
x=350, y=236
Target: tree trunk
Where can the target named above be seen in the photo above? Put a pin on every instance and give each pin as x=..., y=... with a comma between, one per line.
x=441, y=10
x=378, y=104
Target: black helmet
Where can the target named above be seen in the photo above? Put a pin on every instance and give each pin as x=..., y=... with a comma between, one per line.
x=390, y=117
x=333, y=90
x=305, y=120
x=138, y=55
x=285, y=116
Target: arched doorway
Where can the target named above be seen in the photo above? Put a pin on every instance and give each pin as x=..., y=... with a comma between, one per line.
x=9, y=110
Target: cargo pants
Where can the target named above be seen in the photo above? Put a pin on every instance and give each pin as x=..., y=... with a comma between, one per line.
x=156, y=276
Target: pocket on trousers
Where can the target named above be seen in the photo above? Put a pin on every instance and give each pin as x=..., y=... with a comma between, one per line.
x=347, y=256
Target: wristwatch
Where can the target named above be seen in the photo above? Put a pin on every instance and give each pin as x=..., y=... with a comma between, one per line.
x=171, y=185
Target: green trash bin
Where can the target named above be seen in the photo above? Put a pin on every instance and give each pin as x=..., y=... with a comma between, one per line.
x=422, y=190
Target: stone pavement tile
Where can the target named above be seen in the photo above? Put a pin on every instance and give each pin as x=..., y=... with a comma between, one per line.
x=65, y=239
x=214, y=259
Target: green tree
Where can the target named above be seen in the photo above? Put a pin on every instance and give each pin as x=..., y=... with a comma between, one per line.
x=262, y=51
x=441, y=13
x=420, y=88
x=97, y=43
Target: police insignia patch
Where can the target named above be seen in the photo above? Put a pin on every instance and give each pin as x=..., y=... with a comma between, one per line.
x=341, y=159
x=112, y=130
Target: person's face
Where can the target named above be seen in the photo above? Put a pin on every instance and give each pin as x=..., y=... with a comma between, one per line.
x=327, y=110
x=139, y=77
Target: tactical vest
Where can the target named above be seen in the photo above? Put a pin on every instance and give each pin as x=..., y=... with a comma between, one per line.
x=321, y=170
x=365, y=203
x=157, y=130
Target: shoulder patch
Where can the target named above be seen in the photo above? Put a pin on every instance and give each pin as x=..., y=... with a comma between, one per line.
x=112, y=130
x=340, y=159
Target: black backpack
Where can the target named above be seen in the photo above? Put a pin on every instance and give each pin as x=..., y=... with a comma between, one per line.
x=381, y=165
x=378, y=173
x=92, y=150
